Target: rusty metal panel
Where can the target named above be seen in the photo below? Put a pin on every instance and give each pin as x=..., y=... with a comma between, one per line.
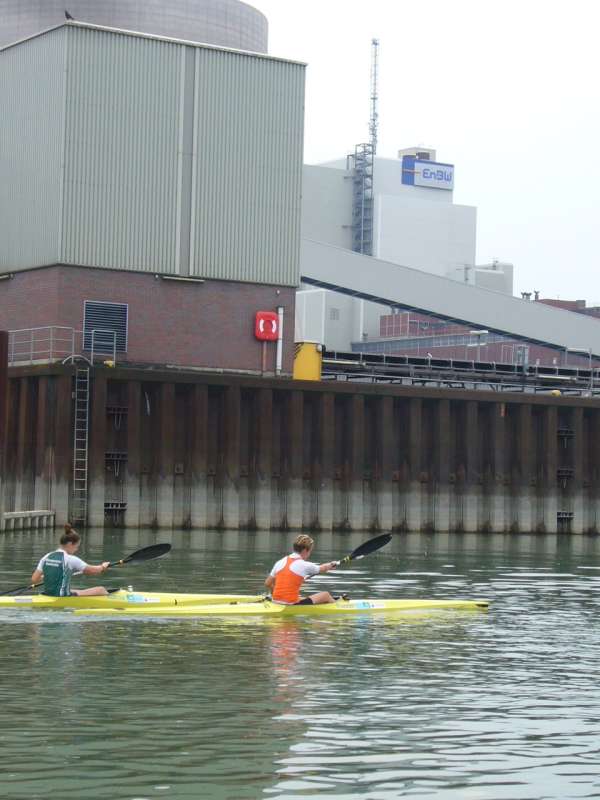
x=3, y=407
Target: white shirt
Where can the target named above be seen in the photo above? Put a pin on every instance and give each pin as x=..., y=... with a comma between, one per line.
x=305, y=569
x=73, y=564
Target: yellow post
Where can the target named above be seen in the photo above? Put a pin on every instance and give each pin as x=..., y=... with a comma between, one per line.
x=308, y=359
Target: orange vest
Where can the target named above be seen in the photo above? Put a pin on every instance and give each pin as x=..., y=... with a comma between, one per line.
x=287, y=584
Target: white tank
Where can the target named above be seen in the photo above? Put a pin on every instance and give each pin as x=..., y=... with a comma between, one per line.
x=227, y=23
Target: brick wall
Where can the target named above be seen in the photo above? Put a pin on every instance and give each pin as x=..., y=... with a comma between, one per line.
x=170, y=322
x=29, y=300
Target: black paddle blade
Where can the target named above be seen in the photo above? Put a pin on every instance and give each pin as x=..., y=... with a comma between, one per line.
x=370, y=546
x=145, y=554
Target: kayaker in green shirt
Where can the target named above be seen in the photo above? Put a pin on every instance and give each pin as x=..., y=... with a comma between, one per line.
x=57, y=568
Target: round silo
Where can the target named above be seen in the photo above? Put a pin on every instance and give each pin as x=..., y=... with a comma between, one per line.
x=227, y=23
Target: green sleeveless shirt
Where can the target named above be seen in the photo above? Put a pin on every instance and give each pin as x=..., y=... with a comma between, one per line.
x=57, y=568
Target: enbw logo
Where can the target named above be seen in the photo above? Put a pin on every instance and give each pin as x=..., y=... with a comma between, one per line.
x=429, y=174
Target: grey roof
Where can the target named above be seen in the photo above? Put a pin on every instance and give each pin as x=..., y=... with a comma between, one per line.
x=141, y=35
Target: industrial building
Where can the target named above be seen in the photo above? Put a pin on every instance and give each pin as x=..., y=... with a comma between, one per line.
x=167, y=161
x=418, y=226
x=360, y=276
x=412, y=333
x=150, y=187
x=364, y=216
x=226, y=23
x=413, y=221
x=150, y=206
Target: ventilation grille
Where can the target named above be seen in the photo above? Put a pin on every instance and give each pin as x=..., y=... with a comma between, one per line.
x=105, y=318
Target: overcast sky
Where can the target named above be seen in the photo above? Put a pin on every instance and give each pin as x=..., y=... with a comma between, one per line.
x=507, y=91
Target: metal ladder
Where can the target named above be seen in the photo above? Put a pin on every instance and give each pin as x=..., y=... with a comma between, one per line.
x=80, y=446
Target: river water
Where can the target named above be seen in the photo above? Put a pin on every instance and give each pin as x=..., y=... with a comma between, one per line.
x=503, y=705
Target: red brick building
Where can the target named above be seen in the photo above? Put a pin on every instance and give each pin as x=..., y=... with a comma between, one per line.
x=149, y=206
x=413, y=333
x=206, y=324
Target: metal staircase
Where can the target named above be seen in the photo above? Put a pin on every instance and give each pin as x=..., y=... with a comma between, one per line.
x=79, y=496
x=363, y=199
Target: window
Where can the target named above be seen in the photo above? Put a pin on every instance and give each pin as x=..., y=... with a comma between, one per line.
x=334, y=314
x=105, y=319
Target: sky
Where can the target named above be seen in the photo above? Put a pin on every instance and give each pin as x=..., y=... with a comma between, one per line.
x=507, y=91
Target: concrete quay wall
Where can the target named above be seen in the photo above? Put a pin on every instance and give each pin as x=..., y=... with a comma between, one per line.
x=195, y=450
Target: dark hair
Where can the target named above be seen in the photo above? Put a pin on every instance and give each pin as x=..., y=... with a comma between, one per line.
x=70, y=536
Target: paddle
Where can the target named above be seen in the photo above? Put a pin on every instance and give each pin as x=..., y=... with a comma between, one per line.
x=145, y=554
x=366, y=548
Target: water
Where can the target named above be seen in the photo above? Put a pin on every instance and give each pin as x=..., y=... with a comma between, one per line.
x=455, y=706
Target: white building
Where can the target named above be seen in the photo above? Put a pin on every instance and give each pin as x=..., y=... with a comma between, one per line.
x=497, y=276
x=415, y=223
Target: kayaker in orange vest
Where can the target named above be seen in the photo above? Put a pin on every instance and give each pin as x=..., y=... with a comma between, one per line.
x=289, y=573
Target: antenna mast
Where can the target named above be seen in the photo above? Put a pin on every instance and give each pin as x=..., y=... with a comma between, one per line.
x=374, y=120
x=362, y=178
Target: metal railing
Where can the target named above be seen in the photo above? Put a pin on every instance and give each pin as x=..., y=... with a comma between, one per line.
x=460, y=374
x=103, y=342
x=57, y=343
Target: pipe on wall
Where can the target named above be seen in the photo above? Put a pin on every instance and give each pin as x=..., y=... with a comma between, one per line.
x=279, y=362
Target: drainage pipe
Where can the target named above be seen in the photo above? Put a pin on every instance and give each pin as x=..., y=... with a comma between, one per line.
x=279, y=363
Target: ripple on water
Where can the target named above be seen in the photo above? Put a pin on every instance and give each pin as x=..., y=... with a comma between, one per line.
x=452, y=706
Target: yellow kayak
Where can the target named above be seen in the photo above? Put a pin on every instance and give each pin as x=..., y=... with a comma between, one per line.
x=268, y=608
x=123, y=599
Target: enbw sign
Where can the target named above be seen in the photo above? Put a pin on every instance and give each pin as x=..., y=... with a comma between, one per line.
x=430, y=174
x=437, y=175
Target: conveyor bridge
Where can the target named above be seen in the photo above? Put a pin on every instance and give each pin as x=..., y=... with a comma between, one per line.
x=410, y=289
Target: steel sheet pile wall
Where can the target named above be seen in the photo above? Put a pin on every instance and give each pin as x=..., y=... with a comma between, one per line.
x=39, y=444
x=218, y=452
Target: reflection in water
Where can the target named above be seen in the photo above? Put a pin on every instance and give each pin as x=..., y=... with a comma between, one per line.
x=500, y=706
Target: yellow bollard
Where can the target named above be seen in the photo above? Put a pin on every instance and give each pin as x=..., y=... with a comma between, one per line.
x=308, y=358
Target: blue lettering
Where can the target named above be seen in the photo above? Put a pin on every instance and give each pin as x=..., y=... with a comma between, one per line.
x=436, y=175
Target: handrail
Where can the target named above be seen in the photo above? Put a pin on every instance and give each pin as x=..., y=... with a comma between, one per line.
x=58, y=343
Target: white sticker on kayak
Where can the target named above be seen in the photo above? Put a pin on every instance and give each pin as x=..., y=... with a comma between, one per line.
x=23, y=599
x=140, y=598
x=368, y=604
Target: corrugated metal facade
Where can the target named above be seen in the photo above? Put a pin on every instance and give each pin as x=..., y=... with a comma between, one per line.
x=177, y=158
x=247, y=185
x=31, y=135
x=121, y=151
